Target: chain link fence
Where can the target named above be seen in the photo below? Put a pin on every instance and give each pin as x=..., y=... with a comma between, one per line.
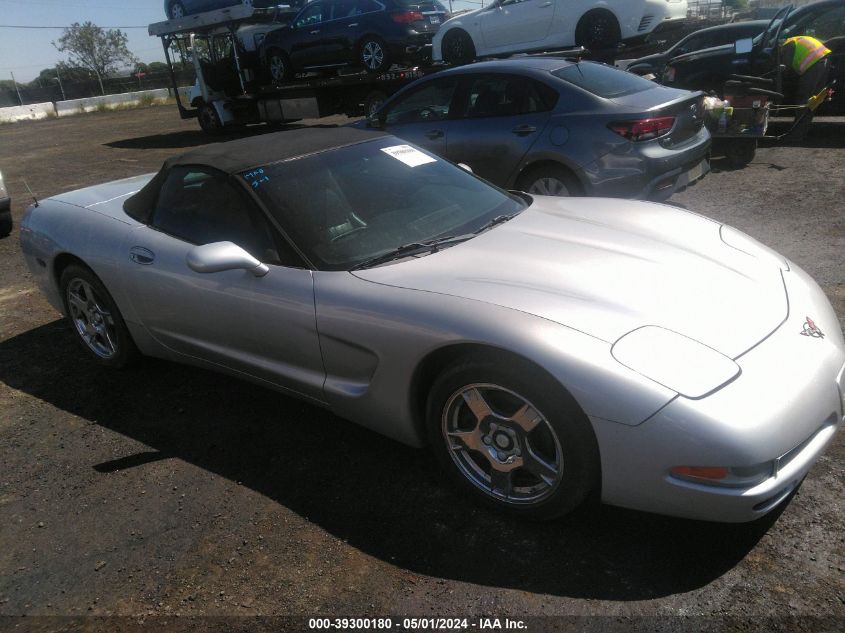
x=67, y=90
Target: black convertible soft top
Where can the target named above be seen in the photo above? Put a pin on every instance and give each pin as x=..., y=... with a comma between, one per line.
x=243, y=154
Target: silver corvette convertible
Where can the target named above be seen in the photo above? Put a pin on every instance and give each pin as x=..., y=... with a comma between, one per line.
x=543, y=348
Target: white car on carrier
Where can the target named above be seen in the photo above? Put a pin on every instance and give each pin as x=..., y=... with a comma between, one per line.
x=515, y=26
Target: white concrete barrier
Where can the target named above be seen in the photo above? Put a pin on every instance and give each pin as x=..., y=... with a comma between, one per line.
x=31, y=112
x=78, y=106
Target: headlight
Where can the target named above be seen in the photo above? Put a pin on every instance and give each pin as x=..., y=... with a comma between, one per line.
x=674, y=361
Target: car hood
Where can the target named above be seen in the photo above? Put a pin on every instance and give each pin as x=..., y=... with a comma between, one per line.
x=606, y=267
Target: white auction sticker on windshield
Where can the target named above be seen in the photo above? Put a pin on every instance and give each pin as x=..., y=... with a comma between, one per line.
x=411, y=156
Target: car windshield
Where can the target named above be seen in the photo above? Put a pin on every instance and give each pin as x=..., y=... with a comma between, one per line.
x=603, y=81
x=349, y=205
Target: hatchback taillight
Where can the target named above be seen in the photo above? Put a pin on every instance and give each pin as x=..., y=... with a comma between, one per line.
x=406, y=17
x=643, y=129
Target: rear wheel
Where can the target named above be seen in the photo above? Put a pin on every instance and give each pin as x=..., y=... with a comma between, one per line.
x=97, y=323
x=598, y=30
x=373, y=55
x=458, y=48
x=512, y=437
x=549, y=180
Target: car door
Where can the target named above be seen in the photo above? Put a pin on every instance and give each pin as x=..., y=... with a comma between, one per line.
x=512, y=24
x=306, y=44
x=422, y=115
x=339, y=34
x=502, y=116
x=260, y=326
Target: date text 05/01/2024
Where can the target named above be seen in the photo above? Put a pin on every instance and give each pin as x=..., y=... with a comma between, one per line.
x=416, y=624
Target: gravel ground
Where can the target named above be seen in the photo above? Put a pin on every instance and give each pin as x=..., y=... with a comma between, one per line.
x=169, y=491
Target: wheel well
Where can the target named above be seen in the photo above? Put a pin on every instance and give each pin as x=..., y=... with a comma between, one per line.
x=437, y=361
x=64, y=260
x=552, y=163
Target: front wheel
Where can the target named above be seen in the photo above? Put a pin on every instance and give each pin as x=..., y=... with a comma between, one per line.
x=176, y=10
x=209, y=120
x=512, y=437
x=373, y=55
x=278, y=65
x=97, y=322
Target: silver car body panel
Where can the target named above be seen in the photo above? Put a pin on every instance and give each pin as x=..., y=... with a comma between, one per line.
x=558, y=285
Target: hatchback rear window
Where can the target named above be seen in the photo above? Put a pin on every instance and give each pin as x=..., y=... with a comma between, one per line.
x=603, y=81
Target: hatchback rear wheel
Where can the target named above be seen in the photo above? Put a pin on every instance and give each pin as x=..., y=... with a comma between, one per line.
x=458, y=48
x=549, y=180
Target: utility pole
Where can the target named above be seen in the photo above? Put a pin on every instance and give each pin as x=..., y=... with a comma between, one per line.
x=16, y=88
x=61, y=87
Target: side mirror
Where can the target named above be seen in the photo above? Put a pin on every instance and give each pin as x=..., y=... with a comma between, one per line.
x=219, y=256
x=743, y=46
x=465, y=167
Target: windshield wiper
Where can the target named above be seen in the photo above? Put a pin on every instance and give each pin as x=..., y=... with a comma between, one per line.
x=497, y=220
x=432, y=246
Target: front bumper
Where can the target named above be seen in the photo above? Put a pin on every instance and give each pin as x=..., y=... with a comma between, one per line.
x=785, y=408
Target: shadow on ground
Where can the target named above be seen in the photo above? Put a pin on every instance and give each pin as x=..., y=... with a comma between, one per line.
x=194, y=138
x=381, y=497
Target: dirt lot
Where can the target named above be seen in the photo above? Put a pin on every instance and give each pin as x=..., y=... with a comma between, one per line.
x=167, y=490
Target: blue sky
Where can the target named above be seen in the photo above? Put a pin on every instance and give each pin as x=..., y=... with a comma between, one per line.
x=28, y=51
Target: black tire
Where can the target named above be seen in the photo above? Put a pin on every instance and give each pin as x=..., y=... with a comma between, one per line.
x=101, y=319
x=458, y=48
x=373, y=54
x=739, y=152
x=598, y=30
x=174, y=8
x=279, y=69
x=373, y=102
x=549, y=180
x=563, y=437
x=209, y=120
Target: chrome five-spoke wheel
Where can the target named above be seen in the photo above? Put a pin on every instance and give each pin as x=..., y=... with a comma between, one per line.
x=502, y=443
x=510, y=435
x=94, y=323
x=96, y=320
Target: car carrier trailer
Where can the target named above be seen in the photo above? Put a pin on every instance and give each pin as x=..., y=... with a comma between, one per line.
x=232, y=88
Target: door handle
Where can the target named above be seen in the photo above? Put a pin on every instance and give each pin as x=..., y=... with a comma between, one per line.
x=315, y=32
x=141, y=255
x=522, y=130
x=545, y=5
x=433, y=134
x=354, y=24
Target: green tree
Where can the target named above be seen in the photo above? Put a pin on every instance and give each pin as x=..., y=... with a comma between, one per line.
x=93, y=48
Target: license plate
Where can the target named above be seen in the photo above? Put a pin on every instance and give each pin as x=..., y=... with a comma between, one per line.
x=434, y=19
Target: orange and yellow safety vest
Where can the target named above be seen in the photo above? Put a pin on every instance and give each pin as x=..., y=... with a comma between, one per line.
x=808, y=50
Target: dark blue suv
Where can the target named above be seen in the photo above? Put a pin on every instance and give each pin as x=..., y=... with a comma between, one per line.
x=372, y=34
